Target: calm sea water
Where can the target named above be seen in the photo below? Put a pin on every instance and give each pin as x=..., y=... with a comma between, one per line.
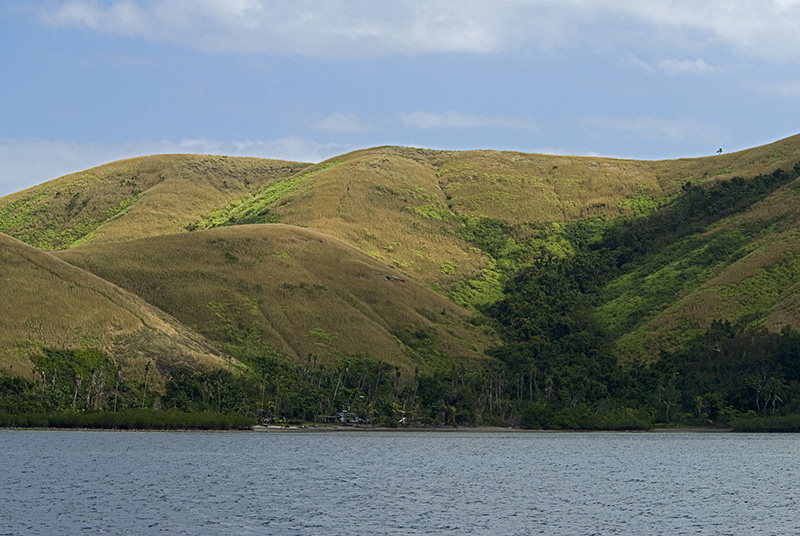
x=398, y=483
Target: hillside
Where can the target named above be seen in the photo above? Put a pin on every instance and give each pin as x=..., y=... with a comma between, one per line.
x=744, y=268
x=511, y=287
x=50, y=305
x=253, y=288
x=134, y=198
x=433, y=216
x=426, y=200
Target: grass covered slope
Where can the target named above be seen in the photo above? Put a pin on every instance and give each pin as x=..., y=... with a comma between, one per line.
x=725, y=250
x=133, y=198
x=617, y=292
x=48, y=304
x=300, y=292
x=462, y=223
x=385, y=202
x=417, y=209
x=745, y=269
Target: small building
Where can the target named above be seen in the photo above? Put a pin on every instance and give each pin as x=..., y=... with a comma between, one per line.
x=344, y=417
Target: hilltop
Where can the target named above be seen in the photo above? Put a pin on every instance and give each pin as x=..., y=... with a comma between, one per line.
x=425, y=213
x=134, y=198
x=550, y=272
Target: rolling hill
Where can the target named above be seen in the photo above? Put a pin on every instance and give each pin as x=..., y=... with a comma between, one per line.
x=300, y=292
x=51, y=305
x=133, y=198
x=383, y=251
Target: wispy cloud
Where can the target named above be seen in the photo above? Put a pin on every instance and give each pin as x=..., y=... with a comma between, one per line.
x=697, y=67
x=28, y=162
x=758, y=28
x=306, y=27
x=345, y=123
x=785, y=88
x=428, y=120
x=660, y=129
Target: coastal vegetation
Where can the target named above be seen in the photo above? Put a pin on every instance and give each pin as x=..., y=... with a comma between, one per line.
x=407, y=287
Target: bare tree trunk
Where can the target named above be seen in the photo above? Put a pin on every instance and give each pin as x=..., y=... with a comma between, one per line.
x=77, y=381
x=219, y=393
x=101, y=386
x=338, y=382
x=530, y=387
x=263, y=396
x=377, y=382
x=87, y=402
x=146, y=374
x=116, y=389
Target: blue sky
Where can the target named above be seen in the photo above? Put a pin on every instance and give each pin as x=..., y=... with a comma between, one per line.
x=85, y=82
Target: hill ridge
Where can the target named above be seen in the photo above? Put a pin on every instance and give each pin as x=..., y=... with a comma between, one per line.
x=91, y=313
x=459, y=222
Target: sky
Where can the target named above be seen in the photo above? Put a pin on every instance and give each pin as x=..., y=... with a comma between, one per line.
x=86, y=82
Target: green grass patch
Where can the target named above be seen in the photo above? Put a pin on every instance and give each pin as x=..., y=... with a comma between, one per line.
x=256, y=209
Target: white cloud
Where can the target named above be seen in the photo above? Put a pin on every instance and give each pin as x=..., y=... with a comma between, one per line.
x=636, y=62
x=758, y=28
x=121, y=17
x=342, y=122
x=429, y=120
x=696, y=67
x=306, y=27
x=660, y=129
x=28, y=162
x=785, y=88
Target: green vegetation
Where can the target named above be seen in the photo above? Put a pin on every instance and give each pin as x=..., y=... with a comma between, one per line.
x=570, y=293
x=256, y=209
x=280, y=390
x=31, y=219
x=128, y=419
x=786, y=423
x=564, y=314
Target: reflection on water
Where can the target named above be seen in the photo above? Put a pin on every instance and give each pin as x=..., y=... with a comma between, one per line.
x=398, y=483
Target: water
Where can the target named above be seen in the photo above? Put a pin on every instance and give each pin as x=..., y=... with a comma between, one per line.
x=398, y=483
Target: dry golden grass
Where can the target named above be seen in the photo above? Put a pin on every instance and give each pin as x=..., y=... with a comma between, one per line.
x=297, y=290
x=388, y=201
x=308, y=293
x=134, y=198
x=787, y=313
x=388, y=205
x=519, y=187
x=49, y=303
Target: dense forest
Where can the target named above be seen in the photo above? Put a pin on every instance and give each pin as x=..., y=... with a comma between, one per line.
x=557, y=363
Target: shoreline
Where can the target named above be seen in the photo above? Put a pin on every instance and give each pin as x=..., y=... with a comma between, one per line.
x=467, y=429
x=310, y=429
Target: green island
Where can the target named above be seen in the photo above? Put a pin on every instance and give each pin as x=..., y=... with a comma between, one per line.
x=406, y=288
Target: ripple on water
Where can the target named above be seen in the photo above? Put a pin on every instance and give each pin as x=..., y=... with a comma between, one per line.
x=397, y=483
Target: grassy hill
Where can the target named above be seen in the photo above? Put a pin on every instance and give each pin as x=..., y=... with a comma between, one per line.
x=133, y=198
x=744, y=268
x=258, y=288
x=174, y=230
x=410, y=208
x=51, y=305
